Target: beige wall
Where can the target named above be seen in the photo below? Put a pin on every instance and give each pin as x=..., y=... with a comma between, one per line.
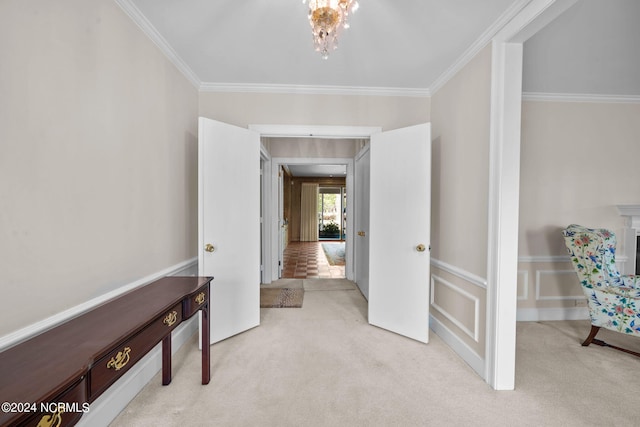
x=460, y=189
x=460, y=117
x=312, y=147
x=243, y=109
x=578, y=161
x=98, y=146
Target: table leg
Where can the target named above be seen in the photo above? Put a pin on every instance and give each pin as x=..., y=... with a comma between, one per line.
x=166, y=360
x=206, y=345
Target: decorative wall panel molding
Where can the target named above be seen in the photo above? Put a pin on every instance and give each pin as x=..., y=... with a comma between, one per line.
x=524, y=274
x=459, y=272
x=540, y=284
x=474, y=332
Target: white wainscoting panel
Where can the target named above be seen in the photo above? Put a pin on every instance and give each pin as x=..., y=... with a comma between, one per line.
x=553, y=278
x=473, y=333
x=523, y=278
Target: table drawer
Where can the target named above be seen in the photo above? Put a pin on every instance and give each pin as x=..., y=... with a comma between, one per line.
x=195, y=301
x=114, y=364
x=64, y=410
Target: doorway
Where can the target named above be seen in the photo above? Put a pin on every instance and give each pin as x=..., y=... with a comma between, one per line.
x=405, y=311
x=332, y=212
x=312, y=217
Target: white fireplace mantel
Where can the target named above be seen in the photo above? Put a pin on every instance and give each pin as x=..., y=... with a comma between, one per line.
x=630, y=235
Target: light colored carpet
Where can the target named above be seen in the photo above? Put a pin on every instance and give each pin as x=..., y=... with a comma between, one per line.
x=328, y=285
x=324, y=365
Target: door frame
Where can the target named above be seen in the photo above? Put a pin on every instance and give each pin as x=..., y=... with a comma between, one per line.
x=504, y=182
x=276, y=162
x=265, y=204
x=270, y=209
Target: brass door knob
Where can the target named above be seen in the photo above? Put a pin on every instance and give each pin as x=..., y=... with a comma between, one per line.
x=209, y=247
x=421, y=248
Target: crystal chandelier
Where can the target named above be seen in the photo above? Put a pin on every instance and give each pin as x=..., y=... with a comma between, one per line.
x=327, y=18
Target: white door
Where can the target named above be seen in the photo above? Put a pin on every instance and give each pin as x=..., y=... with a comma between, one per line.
x=399, y=224
x=229, y=225
x=362, y=221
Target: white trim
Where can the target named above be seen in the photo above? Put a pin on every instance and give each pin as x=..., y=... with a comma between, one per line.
x=315, y=131
x=308, y=131
x=549, y=314
x=504, y=191
x=463, y=350
x=265, y=273
x=459, y=272
x=540, y=273
x=532, y=259
x=478, y=45
x=41, y=326
x=476, y=306
x=502, y=248
x=544, y=258
x=314, y=90
x=580, y=97
x=628, y=210
x=107, y=407
x=147, y=28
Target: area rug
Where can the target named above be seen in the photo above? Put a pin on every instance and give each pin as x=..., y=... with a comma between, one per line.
x=334, y=253
x=281, y=298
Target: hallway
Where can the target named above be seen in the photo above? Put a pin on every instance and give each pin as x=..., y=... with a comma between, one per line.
x=307, y=260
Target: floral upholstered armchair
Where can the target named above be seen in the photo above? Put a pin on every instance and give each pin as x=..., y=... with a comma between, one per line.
x=613, y=299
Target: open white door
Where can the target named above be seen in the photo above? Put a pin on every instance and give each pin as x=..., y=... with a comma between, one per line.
x=399, y=224
x=229, y=225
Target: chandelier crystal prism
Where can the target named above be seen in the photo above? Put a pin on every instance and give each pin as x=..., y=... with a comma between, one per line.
x=327, y=19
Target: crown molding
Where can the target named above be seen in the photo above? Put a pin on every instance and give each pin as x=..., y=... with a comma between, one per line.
x=580, y=97
x=147, y=28
x=484, y=39
x=314, y=90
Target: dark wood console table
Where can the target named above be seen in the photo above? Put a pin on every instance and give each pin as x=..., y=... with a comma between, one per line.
x=51, y=379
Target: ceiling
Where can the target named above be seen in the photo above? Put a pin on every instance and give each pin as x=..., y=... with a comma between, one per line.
x=390, y=44
x=393, y=45
x=592, y=48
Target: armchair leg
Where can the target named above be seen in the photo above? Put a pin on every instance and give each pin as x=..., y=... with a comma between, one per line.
x=591, y=339
x=592, y=335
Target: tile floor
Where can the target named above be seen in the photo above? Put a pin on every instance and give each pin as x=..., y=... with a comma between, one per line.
x=306, y=260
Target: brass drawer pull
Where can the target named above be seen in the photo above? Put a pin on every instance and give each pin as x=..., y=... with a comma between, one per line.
x=200, y=298
x=170, y=318
x=119, y=360
x=53, y=420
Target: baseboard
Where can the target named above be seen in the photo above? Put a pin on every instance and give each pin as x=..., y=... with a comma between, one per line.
x=107, y=407
x=467, y=354
x=187, y=268
x=547, y=314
